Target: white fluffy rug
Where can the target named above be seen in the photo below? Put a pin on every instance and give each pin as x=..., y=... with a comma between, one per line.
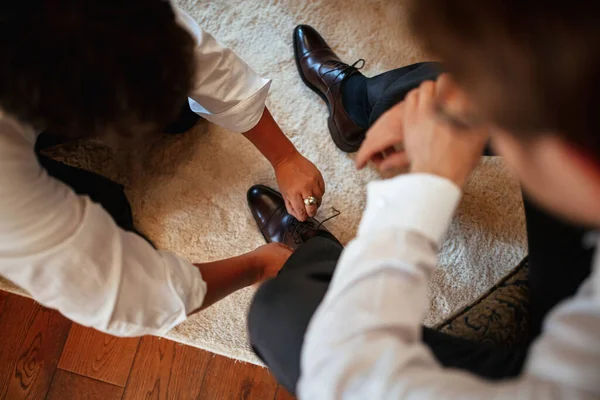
x=197, y=208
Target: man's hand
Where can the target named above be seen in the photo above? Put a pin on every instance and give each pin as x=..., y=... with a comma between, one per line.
x=430, y=145
x=383, y=145
x=436, y=147
x=298, y=179
x=269, y=259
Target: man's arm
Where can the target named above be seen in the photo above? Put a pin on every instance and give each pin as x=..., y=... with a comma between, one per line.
x=364, y=341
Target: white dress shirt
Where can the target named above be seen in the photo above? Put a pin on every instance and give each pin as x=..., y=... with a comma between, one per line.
x=226, y=90
x=364, y=341
x=69, y=254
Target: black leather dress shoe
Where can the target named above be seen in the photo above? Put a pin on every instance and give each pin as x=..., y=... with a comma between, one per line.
x=323, y=72
x=274, y=222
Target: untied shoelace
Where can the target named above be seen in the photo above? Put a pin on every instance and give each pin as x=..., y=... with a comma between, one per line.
x=297, y=228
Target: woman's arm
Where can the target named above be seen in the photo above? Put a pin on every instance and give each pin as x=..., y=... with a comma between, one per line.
x=229, y=93
x=227, y=276
x=298, y=178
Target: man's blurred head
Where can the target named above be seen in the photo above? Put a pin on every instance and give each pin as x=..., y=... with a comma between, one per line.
x=86, y=68
x=531, y=68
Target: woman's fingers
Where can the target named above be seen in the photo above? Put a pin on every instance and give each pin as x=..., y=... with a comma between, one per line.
x=300, y=209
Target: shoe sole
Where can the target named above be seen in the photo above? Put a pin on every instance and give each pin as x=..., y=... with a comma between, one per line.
x=333, y=131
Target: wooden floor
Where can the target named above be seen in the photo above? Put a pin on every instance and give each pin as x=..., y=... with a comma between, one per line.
x=45, y=356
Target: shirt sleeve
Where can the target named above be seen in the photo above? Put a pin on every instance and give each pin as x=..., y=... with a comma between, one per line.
x=69, y=254
x=364, y=341
x=226, y=90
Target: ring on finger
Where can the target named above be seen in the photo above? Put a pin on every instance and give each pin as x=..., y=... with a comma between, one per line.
x=311, y=201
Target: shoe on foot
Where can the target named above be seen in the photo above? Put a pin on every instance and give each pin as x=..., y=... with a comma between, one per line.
x=274, y=222
x=323, y=72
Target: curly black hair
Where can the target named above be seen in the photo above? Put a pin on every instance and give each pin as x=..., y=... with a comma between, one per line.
x=85, y=67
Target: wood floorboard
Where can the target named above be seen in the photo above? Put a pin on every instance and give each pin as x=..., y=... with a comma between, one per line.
x=3, y=298
x=45, y=356
x=67, y=385
x=283, y=394
x=97, y=355
x=32, y=340
x=164, y=369
x=227, y=380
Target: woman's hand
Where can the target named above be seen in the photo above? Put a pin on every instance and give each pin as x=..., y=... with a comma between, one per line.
x=298, y=179
x=269, y=260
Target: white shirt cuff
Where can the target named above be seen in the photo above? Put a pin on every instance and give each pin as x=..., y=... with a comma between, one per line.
x=243, y=116
x=420, y=203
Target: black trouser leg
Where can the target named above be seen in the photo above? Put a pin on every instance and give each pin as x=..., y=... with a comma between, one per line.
x=390, y=88
x=559, y=262
x=101, y=190
x=282, y=308
x=366, y=99
x=110, y=195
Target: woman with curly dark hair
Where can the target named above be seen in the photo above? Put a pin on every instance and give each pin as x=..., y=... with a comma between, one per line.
x=120, y=69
